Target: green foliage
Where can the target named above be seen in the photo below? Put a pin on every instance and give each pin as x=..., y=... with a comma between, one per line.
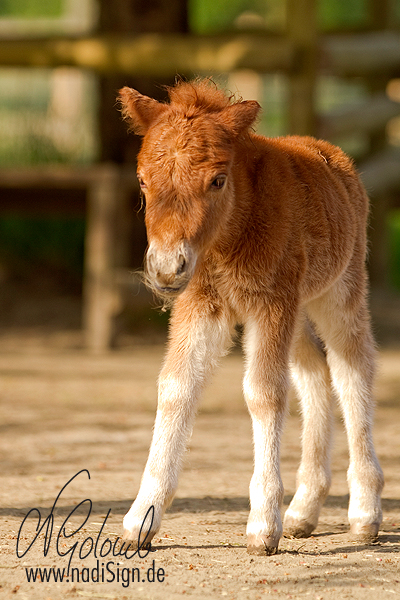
x=55, y=243
x=394, y=248
x=31, y=9
x=33, y=132
x=31, y=149
x=208, y=16
x=342, y=13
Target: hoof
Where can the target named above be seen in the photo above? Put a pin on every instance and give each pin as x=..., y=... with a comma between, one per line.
x=364, y=534
x=261, y=545
x=131, y=540
x=139, y=531
x=297, y=529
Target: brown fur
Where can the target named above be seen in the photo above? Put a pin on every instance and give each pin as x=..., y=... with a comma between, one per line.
x=279, y=245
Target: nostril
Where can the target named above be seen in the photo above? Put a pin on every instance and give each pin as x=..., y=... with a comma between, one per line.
x=181, y=265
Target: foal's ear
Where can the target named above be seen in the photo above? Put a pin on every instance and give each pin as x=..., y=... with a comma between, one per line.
x=140, y=111
x=240, y=116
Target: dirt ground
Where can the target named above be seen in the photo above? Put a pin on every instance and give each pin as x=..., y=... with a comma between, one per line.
x=63, y=411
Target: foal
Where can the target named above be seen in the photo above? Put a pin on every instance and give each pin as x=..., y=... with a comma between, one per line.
x=269, y=233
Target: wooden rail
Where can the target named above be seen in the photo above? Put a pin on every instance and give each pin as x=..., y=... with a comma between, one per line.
x=381, y=172
x=164, y=55
x=370, y=116
x=361, y=54
x=154, y=55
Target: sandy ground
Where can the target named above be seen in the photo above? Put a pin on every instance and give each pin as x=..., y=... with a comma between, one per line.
x=63, y=411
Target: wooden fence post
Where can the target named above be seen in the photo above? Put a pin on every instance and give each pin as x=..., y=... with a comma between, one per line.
x=301, y=22
x=380, y=13
x=100, y=294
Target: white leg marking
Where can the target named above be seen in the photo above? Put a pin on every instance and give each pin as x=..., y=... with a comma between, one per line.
x=190, y=358
x=310, y=376
x=343, y=320
x=264, y=387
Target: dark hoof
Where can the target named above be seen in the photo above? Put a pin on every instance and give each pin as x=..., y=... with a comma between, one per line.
x=262, y=545
x=297, y=529
x=129, y=540
x=364, y=534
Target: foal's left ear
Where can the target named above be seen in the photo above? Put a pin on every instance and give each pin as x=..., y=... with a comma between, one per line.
x=140, y=111
x=240, y=116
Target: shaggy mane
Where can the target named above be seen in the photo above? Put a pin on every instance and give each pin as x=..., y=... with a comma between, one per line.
x=202, y=94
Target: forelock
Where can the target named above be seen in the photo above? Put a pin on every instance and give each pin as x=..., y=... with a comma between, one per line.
x=198, y=97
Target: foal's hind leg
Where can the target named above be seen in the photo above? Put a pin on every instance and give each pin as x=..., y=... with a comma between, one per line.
x=343, y=321
x=310, y=376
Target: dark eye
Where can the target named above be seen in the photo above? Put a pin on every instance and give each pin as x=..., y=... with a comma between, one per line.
x=219, y=182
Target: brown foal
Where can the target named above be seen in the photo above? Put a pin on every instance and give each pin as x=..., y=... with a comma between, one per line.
x=269, y=233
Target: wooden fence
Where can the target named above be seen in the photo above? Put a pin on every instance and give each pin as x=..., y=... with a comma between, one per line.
x=300, y=53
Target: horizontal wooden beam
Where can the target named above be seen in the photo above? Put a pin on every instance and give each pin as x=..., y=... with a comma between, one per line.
x=160, y=55
x=361, y=54
x=63, y=176
x=369, y=117
x=154, y=55
x=381, y=172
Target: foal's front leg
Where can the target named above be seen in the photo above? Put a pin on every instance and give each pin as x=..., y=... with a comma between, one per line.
x=197, y=341
x=265, y=389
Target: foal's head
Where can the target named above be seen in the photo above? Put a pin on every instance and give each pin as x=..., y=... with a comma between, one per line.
x=185, y=172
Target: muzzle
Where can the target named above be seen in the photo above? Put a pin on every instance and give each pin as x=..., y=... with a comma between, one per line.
x=170, y=270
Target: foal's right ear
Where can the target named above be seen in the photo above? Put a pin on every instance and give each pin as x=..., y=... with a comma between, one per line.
x=140, y=111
